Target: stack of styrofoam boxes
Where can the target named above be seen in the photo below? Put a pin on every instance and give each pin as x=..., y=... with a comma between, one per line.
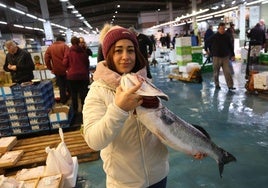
x=183, y=50
x=4, y=119
x=13, y=112
x=60, y=116
x=39, y=99
x=16, y=109
x=261, y=80
x=197, y=54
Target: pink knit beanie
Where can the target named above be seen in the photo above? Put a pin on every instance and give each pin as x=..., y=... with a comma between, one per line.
x=113, y=35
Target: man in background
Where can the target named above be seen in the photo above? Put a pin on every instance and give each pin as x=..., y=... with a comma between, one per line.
x=222, y=51
x=54, y=61
x=146, y=48
x=83, y=44
x=19, y=63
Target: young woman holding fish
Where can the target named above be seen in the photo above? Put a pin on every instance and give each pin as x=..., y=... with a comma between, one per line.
x=132, y=155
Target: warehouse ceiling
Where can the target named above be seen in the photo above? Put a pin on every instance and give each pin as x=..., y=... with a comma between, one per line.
x=95, y=12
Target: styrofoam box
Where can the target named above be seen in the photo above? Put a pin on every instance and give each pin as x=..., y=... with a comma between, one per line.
x=70, y=181
x=4, y=91
x=183, y=41
x=189, y=67
x=60, y=113
x=261, y=80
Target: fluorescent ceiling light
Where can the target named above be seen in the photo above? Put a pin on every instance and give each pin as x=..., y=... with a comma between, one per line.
x=32, y=16
x=63, y=0
x=3, y=5
x=20, y=26
x=26, y=27
x=16, y=10
x=255, y=2
x=3, y=22
x=70, y=6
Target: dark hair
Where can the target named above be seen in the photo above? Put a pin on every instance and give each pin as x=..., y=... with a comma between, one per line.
x=60, y=38
x=221, y=24
x=75, y=41
x=139, y=64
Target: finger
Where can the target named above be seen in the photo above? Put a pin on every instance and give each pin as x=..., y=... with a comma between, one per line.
x=118, y=89
x=134, y=88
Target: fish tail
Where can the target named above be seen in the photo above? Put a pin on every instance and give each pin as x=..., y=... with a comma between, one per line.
x=225, y=158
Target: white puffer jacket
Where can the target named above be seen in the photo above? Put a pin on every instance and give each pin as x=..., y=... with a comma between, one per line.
x=132, y=155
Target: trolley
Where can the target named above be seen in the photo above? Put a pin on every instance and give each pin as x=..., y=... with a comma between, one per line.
x=253, y=68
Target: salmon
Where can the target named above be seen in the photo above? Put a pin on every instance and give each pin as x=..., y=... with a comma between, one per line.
x=172, y=130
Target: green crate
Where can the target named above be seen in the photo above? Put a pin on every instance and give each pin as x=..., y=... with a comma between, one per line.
x=207, y=68
x=184, y=50
x=263, y=58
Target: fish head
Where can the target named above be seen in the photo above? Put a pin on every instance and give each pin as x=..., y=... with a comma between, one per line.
x=147, y=88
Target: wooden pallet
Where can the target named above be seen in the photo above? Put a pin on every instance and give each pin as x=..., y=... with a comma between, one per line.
x=34, y=149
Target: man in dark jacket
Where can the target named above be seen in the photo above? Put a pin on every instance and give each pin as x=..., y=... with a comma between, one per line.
x=257, y=35
x=221, y=51
x=19, y=63
x=146, y=48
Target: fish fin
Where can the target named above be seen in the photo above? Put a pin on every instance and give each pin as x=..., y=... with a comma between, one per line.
x=226, y=157
x=201, y=129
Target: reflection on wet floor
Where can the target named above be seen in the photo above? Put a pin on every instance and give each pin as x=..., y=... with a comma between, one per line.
x=236, y=121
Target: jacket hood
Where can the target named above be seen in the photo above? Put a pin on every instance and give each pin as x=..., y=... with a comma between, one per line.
x=110, y=77
x=76, y=48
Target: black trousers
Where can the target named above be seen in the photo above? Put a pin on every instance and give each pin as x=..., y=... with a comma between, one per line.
x=161, y=184
x=78, y=88
x=63, y=88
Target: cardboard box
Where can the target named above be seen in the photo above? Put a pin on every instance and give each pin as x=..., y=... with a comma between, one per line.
x=50, y=181
x=7, y=143
x=10, y=158
x=30, y=183
x=261, y=80
x=30, y=173
x=60, y=116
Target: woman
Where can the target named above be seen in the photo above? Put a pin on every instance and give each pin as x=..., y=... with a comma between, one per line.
x=77, y=63
x=132, y=155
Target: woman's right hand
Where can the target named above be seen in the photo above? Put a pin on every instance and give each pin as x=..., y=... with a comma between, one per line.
x=128, y=100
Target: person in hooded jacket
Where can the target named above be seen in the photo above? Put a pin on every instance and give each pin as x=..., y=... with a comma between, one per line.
x=132, y=155
x=77, y=73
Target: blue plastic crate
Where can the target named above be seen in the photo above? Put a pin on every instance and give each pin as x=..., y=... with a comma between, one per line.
x=17, y=115
x=38, y=120
x=4, y=116
x=58, y=124
x=37, y=113
x=40, y=127
x=19, y=123
x=5, y=132
x=18, y=108
x=36, y=106
x=4, y=124
x=14, y=101
x=21, y=130
x=16, y=90
x=3, y=109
